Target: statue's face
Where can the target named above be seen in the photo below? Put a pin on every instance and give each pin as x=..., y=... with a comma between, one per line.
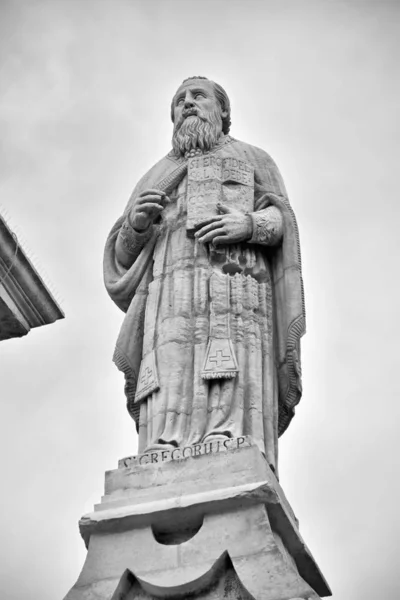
x=195, y=97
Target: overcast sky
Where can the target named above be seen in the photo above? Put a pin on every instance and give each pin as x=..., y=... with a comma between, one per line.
x=85, y=89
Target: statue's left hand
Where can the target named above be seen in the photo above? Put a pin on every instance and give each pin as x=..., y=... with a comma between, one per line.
x=230, y=227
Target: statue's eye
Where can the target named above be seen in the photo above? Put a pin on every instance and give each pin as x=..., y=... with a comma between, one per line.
x=198, y=96
x=179, y=101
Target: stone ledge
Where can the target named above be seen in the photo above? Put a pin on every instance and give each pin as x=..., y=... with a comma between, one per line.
x=123, y=515
x=25, y=301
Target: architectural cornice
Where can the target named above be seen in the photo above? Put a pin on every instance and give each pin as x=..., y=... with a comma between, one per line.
x=25, y=301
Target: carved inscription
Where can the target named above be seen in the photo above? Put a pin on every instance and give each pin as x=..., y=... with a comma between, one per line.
x=204, y=189
x=185, y=452
x=213, y=179
x=237, y=171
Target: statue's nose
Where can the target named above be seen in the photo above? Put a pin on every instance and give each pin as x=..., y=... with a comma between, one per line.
x=189, y=103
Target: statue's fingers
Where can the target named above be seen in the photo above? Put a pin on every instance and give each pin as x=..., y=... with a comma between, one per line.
x=156, y=198
x=215, y=219
x=151, y=208
x=142, y=216
x=206, y=228
x=220, y=239
x=141, y=221
x=152, y=192
x=208, y=237
x=223, y=208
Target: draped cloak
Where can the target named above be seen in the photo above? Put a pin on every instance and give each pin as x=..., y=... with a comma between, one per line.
x=130, y=288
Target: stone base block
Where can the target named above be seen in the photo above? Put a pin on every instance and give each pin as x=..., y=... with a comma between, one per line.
x=199, y=524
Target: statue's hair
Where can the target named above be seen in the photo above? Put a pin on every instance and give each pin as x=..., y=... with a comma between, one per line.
x=220, y=95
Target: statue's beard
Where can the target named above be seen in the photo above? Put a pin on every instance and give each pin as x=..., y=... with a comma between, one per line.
x=197, y=132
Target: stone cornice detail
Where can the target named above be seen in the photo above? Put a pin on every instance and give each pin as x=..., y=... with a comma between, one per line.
x=25, y=301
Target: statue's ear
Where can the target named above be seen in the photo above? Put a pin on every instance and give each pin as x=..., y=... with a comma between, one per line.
x=224, y=114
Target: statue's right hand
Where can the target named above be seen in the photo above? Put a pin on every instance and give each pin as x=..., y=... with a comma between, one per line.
x=147, y=208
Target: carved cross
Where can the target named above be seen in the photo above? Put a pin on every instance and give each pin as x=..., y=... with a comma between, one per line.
x=146, y=377
x=219, y=358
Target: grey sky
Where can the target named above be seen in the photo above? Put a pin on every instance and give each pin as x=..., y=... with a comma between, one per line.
x=85, y=89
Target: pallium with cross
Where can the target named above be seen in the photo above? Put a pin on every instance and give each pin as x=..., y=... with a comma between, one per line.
x=220, y=361
x=147, y=380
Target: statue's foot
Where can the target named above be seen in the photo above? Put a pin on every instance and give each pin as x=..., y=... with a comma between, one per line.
x=160, y=446
x=213, y=437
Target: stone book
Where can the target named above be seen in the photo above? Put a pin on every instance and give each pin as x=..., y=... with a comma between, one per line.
x=213, y=179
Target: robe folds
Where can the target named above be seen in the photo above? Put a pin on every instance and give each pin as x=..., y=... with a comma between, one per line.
x=166, y=297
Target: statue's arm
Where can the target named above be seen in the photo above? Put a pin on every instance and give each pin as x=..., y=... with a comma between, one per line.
x=270, y=191
x=144, y=206
x=130, y=243
x=267, y=226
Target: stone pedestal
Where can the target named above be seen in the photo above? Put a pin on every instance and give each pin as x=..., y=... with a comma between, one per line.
x=208, y=521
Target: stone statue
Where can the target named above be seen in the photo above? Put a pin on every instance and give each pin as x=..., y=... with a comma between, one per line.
x=205, y=262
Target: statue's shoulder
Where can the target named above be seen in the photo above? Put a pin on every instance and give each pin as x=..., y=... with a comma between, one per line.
x=156, y=172
x=164, y=164
x=254, y=154
x=266, y=173
x=151, y=178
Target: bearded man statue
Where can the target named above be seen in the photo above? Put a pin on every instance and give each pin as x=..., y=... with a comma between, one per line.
x=205, y=262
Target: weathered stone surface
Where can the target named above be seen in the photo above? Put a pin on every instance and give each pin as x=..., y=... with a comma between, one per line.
x=198, y=525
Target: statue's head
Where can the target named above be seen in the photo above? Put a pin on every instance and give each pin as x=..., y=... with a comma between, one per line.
x=200, y=111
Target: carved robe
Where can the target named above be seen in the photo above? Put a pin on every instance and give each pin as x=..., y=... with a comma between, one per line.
x=178, y=292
